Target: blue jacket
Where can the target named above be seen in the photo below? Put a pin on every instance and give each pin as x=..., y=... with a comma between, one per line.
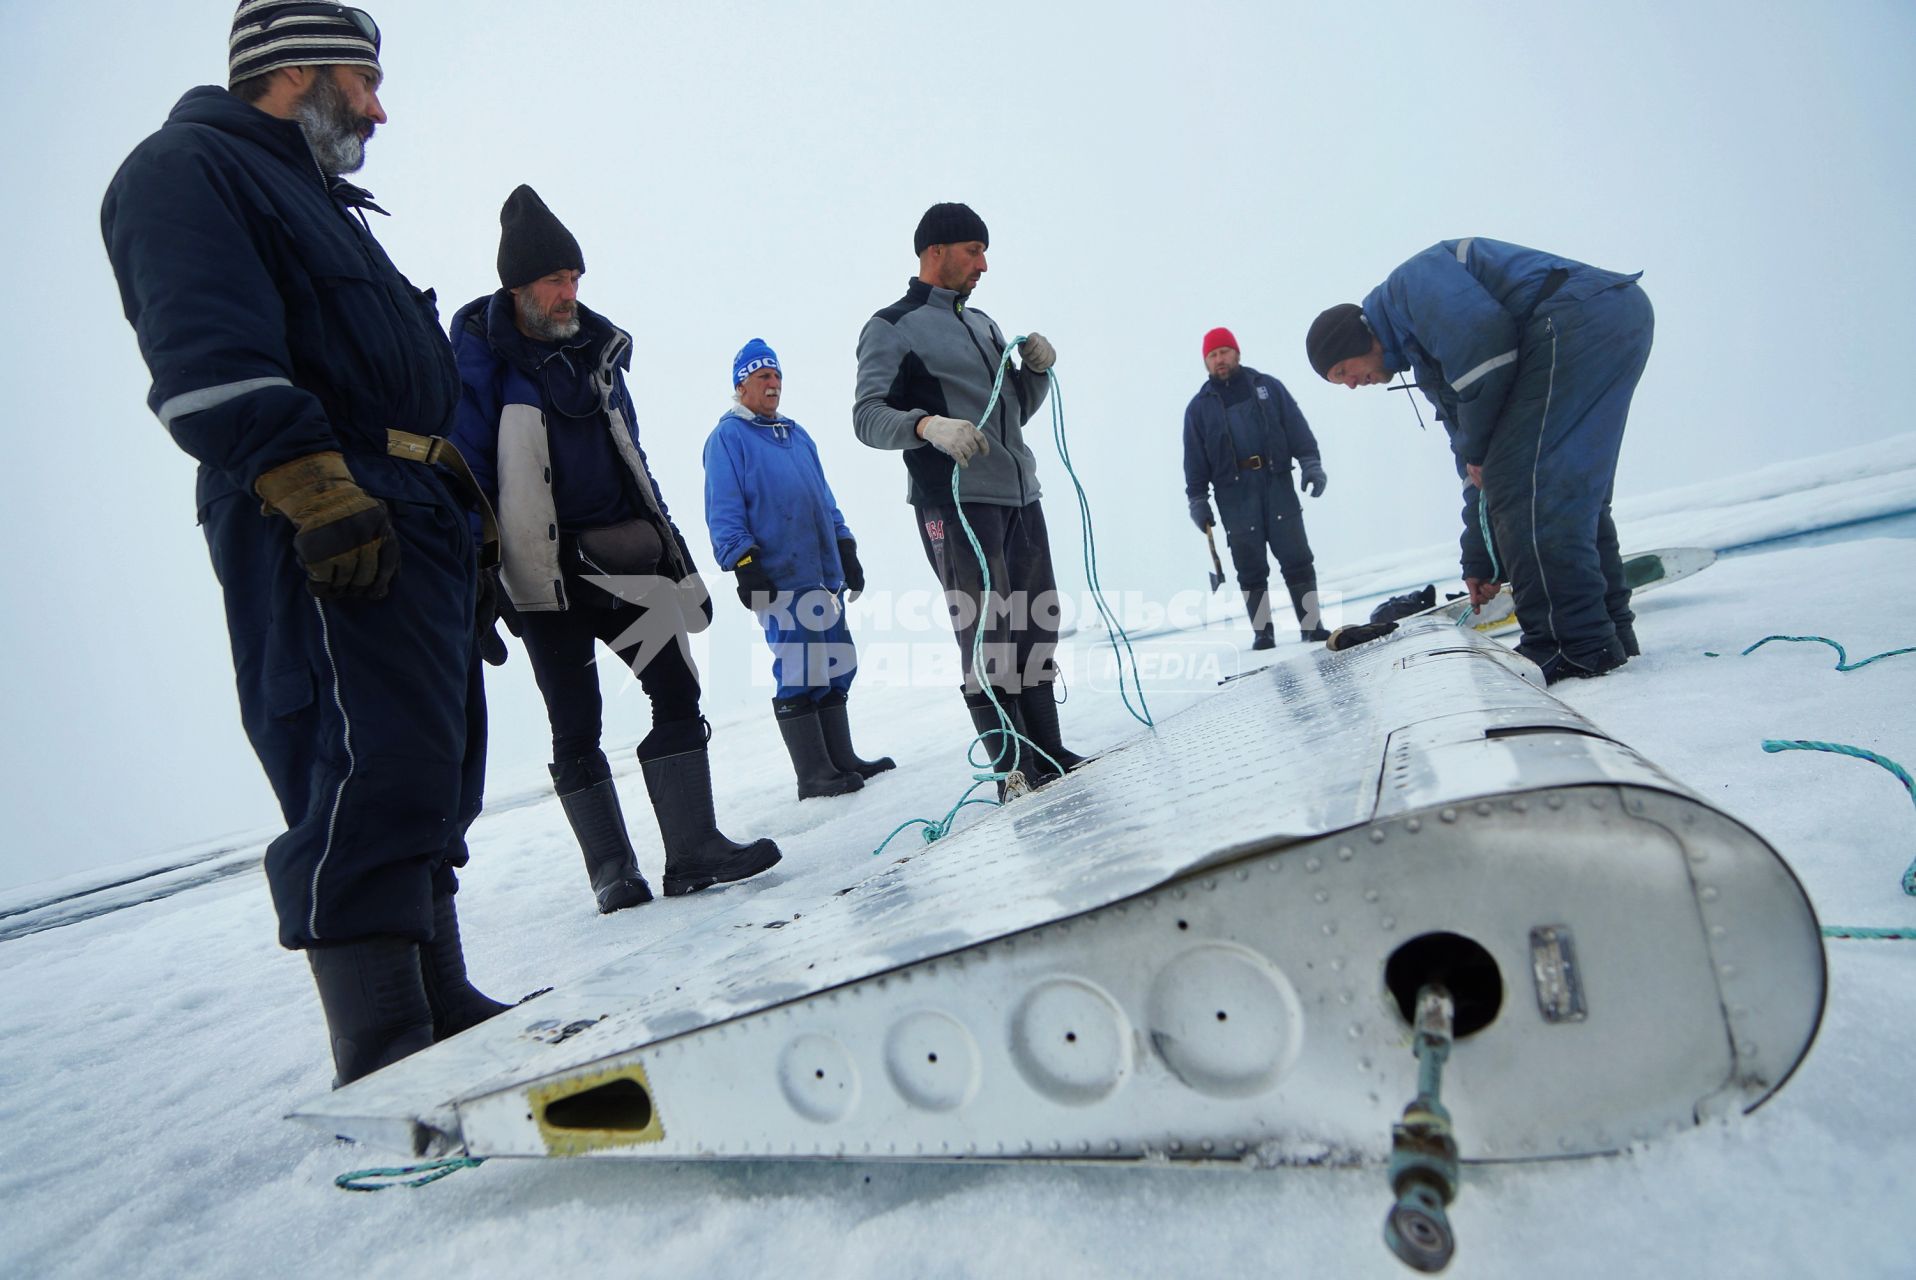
x=1267, y=424
x=550, y=433
x=273, y=323
x=765, y=488
x=1454, y=315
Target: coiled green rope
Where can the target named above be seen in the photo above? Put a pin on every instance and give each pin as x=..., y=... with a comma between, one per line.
x=1842, y=658
x=409, y=1175
x=937, y=829
x=1855, y=753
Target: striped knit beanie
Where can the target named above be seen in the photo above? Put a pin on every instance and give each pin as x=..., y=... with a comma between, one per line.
x=270, y=34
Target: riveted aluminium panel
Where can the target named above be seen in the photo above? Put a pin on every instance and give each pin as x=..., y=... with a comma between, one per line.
x=1305, y=750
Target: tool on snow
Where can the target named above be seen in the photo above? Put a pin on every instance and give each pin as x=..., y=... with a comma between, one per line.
x=1642, y=572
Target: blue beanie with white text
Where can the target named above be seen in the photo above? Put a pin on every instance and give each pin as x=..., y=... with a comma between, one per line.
x=752, y=357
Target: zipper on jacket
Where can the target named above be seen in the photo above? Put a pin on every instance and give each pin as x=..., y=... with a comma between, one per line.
x=991, y=369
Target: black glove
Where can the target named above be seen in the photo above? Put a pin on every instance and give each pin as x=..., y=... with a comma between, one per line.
x=1358, y=633
x=854, y=571
x=1201, y=514
x=492, y=646
x=705, y=601
x=692, y=572
x=1310, y=475
x=344, y=535
x=752, y=579
x=685, y=552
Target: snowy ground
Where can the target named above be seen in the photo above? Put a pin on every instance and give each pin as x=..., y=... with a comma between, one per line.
x=152, y=1045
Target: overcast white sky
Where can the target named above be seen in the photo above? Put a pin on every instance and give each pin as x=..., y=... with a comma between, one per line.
x=736, y=170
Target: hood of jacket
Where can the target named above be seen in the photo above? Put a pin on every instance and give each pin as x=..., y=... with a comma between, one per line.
x=778, y=426
x=216, y=108
x=485, y=330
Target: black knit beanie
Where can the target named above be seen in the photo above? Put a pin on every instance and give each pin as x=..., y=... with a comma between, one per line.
x=949, y=224
x=532, y=242
x=1337, y=334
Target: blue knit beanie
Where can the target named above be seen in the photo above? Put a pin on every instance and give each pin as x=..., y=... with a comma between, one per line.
x=752, y=357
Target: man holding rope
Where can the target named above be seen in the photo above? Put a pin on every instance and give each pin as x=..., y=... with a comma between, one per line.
x=926, y=366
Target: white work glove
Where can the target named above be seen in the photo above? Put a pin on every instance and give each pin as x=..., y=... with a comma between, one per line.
x=953, y=436
x=1039, y=353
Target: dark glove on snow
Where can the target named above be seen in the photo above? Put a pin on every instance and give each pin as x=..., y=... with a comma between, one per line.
x=344, y=535
x=1352, y=636
x=1310, y=476
x=854, y=571
x=1201, y=515
x=753, y=581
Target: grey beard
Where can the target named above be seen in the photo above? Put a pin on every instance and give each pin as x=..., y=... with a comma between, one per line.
x=542, y=326
x=331, y=128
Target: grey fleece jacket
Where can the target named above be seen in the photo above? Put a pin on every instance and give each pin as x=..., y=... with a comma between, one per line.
x=930, y=353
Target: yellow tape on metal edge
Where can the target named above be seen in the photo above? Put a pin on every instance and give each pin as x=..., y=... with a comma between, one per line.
x=574, y=1142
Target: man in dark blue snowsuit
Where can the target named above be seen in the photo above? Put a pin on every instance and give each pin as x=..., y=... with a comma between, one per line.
x=1241, y=431
x=1531, y=360
x=288, y=356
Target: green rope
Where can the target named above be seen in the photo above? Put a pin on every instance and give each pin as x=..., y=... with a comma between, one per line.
x=1842, y=659
x=1869, y=935
x=937, y=829
x=1496, y=573
x=1141, y=712
x=1858, y=753
x=410, y=1175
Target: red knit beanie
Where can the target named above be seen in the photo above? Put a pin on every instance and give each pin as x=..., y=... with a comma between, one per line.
x=1219, y=337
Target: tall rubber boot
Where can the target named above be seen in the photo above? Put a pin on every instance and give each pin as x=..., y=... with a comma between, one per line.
x=805, y=743
x=1039, y=704
x=997, y=750
x=1310, y=622
x=591, y=803
x=1257, y=604
x=455, y=1003
x=678, y=777
x=375, y=1002
x=837, y=729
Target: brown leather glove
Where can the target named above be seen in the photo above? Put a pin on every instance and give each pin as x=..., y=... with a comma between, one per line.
x=344, y=536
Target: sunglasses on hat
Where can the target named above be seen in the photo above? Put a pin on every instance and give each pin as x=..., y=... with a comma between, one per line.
x=361, y=21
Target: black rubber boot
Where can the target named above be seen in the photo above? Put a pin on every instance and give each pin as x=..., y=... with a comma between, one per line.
x=1558, y=665
x=818, y=776
x=1310, y=621
x=996, y=750
x=375, y=1002
x=678, y=777
x=1038, y=703
x=1257, y=604
x=837, y=729
x=455, y=1003
x=591, y=803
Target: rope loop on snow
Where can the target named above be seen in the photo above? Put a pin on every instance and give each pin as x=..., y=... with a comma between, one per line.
x=937, y=829
x=1856, y=753
x=1842, y=658
x=408, y=1175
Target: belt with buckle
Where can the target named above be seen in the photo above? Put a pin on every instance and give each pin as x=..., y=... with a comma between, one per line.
x=438, y=451
x=1253, y=463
